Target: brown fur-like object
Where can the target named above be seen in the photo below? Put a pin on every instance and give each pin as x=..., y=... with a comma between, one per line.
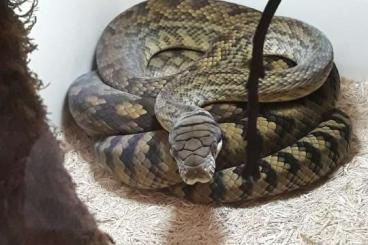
x=38, y=204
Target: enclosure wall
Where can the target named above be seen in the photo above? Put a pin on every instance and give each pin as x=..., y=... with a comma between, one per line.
x=67, y=32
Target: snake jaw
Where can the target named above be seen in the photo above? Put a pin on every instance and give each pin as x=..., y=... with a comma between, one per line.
x=198, y=174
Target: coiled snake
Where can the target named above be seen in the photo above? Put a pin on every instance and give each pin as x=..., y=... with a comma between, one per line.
x=168, y=95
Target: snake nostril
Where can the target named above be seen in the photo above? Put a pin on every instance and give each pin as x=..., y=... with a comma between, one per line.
x=200, y=175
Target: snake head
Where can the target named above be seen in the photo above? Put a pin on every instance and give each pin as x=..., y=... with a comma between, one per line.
x=196, y=140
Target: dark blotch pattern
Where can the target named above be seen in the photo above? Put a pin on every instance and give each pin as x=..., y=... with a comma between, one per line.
x=135, y=37
x=198, y=4
x=128, y=154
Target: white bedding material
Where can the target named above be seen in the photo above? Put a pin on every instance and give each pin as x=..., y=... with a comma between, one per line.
x=333, y=213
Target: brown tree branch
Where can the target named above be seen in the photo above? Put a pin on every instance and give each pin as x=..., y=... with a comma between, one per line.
x=256, y=72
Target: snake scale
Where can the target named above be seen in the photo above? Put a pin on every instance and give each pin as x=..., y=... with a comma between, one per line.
x=166, y=103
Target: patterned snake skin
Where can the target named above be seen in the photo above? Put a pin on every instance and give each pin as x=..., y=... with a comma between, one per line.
x=169, y=92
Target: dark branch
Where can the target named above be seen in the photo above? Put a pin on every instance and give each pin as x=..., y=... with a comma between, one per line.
x=256, y=72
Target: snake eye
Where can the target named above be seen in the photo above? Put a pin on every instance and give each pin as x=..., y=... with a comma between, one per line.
x=216, y=148
x=173, y=153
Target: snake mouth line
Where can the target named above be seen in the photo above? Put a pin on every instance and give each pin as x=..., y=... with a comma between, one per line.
x=202, y=173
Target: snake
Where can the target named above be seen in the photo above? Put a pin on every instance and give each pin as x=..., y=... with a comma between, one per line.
x=166, y=103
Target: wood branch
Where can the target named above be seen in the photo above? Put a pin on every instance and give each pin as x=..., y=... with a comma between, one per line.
x=256, y=72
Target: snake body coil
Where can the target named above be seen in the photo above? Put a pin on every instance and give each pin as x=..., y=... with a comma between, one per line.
x=169, y=93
